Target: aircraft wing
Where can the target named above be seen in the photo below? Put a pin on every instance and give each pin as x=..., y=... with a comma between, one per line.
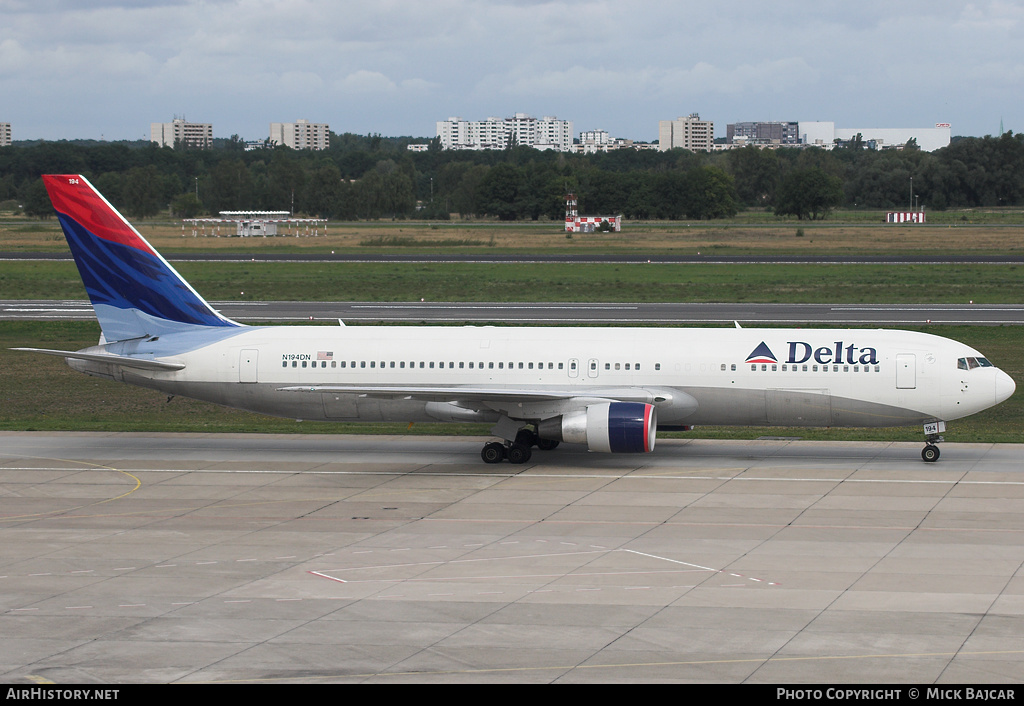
x=500, y=396
x=122, y=360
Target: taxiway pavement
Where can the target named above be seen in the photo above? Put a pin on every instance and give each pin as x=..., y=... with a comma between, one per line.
x=309, y=558
x=566, y=312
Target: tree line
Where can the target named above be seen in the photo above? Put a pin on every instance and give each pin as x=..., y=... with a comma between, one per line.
x=371, y=177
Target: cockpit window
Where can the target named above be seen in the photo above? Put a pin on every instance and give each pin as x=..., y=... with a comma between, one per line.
x=972, y=363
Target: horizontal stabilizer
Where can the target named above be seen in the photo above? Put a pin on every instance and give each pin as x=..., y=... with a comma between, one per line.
x=122, y=360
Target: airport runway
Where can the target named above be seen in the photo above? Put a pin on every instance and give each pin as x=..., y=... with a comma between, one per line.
x=387, y=559
x=567, y=313
x=588, y=257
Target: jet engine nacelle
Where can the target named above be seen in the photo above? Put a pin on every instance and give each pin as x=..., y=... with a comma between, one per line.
x=609, y=427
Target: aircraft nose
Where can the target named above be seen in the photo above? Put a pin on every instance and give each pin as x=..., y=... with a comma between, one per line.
x=1005, y=386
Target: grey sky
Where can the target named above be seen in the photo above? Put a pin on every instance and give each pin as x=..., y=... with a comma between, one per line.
x=86, y=68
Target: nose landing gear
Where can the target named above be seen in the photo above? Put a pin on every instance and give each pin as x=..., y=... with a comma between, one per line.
x=932, y=431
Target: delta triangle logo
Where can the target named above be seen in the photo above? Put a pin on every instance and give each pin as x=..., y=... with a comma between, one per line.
x=762, y=354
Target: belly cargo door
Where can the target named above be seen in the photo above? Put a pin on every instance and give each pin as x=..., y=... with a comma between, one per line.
x=804, y=407
x=340, y=406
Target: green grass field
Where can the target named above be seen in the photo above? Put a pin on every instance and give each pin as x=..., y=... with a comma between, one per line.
x=276, y=281
x=979, y=231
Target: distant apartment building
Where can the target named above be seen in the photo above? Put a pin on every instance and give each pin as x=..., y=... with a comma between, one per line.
x=548, y=133
x=597, y=137
x=181, y=133
x=763, y=133
x=690, y=133
x=593, y=141
x=301, y=135
x=5, y=134
x=825, y=134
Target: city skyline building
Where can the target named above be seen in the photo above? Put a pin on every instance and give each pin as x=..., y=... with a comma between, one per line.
x=181, y=133
x=301, y=135
x=689, y=133
x=763, y=133
x=548, y=133
x=825, y=133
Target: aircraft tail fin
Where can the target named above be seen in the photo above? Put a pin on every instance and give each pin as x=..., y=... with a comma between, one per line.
x=133, y=289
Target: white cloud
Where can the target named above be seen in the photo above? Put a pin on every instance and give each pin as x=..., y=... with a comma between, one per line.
x=701, y=78
x=590, y=61
x=363, y=81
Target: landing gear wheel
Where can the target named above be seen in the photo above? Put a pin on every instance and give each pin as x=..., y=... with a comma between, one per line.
x=546, y=444
x=518, y=453
x=930, y=453
x=493, y=452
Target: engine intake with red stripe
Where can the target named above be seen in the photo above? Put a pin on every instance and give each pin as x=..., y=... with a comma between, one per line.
x=609, y=427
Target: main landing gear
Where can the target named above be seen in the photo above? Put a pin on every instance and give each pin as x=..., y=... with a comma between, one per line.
x=932, y=432
x=518, y=451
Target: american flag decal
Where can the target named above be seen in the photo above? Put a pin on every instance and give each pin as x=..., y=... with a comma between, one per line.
x=325, y=355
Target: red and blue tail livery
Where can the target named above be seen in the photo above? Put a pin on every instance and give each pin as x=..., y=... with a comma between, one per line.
x=134, y=291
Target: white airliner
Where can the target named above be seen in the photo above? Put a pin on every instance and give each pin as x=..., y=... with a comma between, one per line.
x=608, y=388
